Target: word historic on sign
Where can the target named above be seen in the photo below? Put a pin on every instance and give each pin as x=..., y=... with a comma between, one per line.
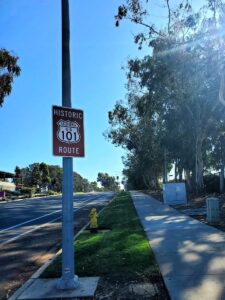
x=68, y=132
x=68, y=113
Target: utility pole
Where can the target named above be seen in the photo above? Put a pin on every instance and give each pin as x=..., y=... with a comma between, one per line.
x=68, y=280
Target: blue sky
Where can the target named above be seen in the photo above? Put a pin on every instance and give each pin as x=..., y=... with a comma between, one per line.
x=32, y=30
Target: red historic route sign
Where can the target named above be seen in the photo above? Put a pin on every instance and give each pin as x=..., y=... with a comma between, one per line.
x=68, y=131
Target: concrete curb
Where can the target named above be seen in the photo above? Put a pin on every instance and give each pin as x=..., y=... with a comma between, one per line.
x=38, y=273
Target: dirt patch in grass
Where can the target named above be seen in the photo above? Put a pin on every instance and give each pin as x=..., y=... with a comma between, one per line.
x=121, y=257
x=121, y=288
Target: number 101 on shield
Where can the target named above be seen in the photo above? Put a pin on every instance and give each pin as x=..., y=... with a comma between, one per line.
x=68, y=132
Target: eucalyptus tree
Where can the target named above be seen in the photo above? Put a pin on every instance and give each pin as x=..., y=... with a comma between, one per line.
x=18, y=178
x=45, y=175
x=9, y=69
x=175, y=91
x=137, y=125
x=108, y=182
x=35, y=174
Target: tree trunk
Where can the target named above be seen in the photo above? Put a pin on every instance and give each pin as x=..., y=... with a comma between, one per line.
x=180, y=172
x=147, y=182
x=222, y=179
x=187, y=177
x=180, y=175
x=175, y=170
x=156, y=183
x=165, y=179
x=199, y=165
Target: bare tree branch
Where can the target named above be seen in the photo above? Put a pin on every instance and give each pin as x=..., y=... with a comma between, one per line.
x=169, y=15
x=150, y=27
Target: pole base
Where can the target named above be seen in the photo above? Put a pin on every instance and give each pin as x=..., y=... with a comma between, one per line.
x=68, y=284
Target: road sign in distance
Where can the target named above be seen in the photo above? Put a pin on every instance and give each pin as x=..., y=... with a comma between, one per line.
x=68, y=132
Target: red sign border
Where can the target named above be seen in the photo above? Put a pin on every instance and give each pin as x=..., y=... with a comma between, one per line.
x=68, y=156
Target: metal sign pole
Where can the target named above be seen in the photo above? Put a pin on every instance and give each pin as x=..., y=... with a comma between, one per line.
x=68, y=279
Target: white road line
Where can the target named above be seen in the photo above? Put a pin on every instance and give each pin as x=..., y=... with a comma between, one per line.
x=37, y=227
x=26, y=232
x=19, y=225
x=32, y=220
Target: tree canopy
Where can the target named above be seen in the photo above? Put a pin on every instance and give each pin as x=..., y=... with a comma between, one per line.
x=173, y=113
x=109, y=183
x=43, y=175
x=9, y=69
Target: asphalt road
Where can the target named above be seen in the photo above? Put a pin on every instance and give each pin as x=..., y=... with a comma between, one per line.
x=30, y=234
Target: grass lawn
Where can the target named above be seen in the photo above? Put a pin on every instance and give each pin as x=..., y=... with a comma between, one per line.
x=123, y=251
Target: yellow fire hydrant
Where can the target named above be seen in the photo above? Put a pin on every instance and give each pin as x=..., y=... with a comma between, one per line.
x=93, y=220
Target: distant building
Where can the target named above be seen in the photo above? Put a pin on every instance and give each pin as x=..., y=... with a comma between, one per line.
x=4, y=184
x=7, y=186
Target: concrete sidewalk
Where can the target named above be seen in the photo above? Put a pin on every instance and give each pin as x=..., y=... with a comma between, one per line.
x=190, y=254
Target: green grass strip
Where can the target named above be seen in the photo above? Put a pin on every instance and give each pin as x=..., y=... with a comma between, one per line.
x=123, y=250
